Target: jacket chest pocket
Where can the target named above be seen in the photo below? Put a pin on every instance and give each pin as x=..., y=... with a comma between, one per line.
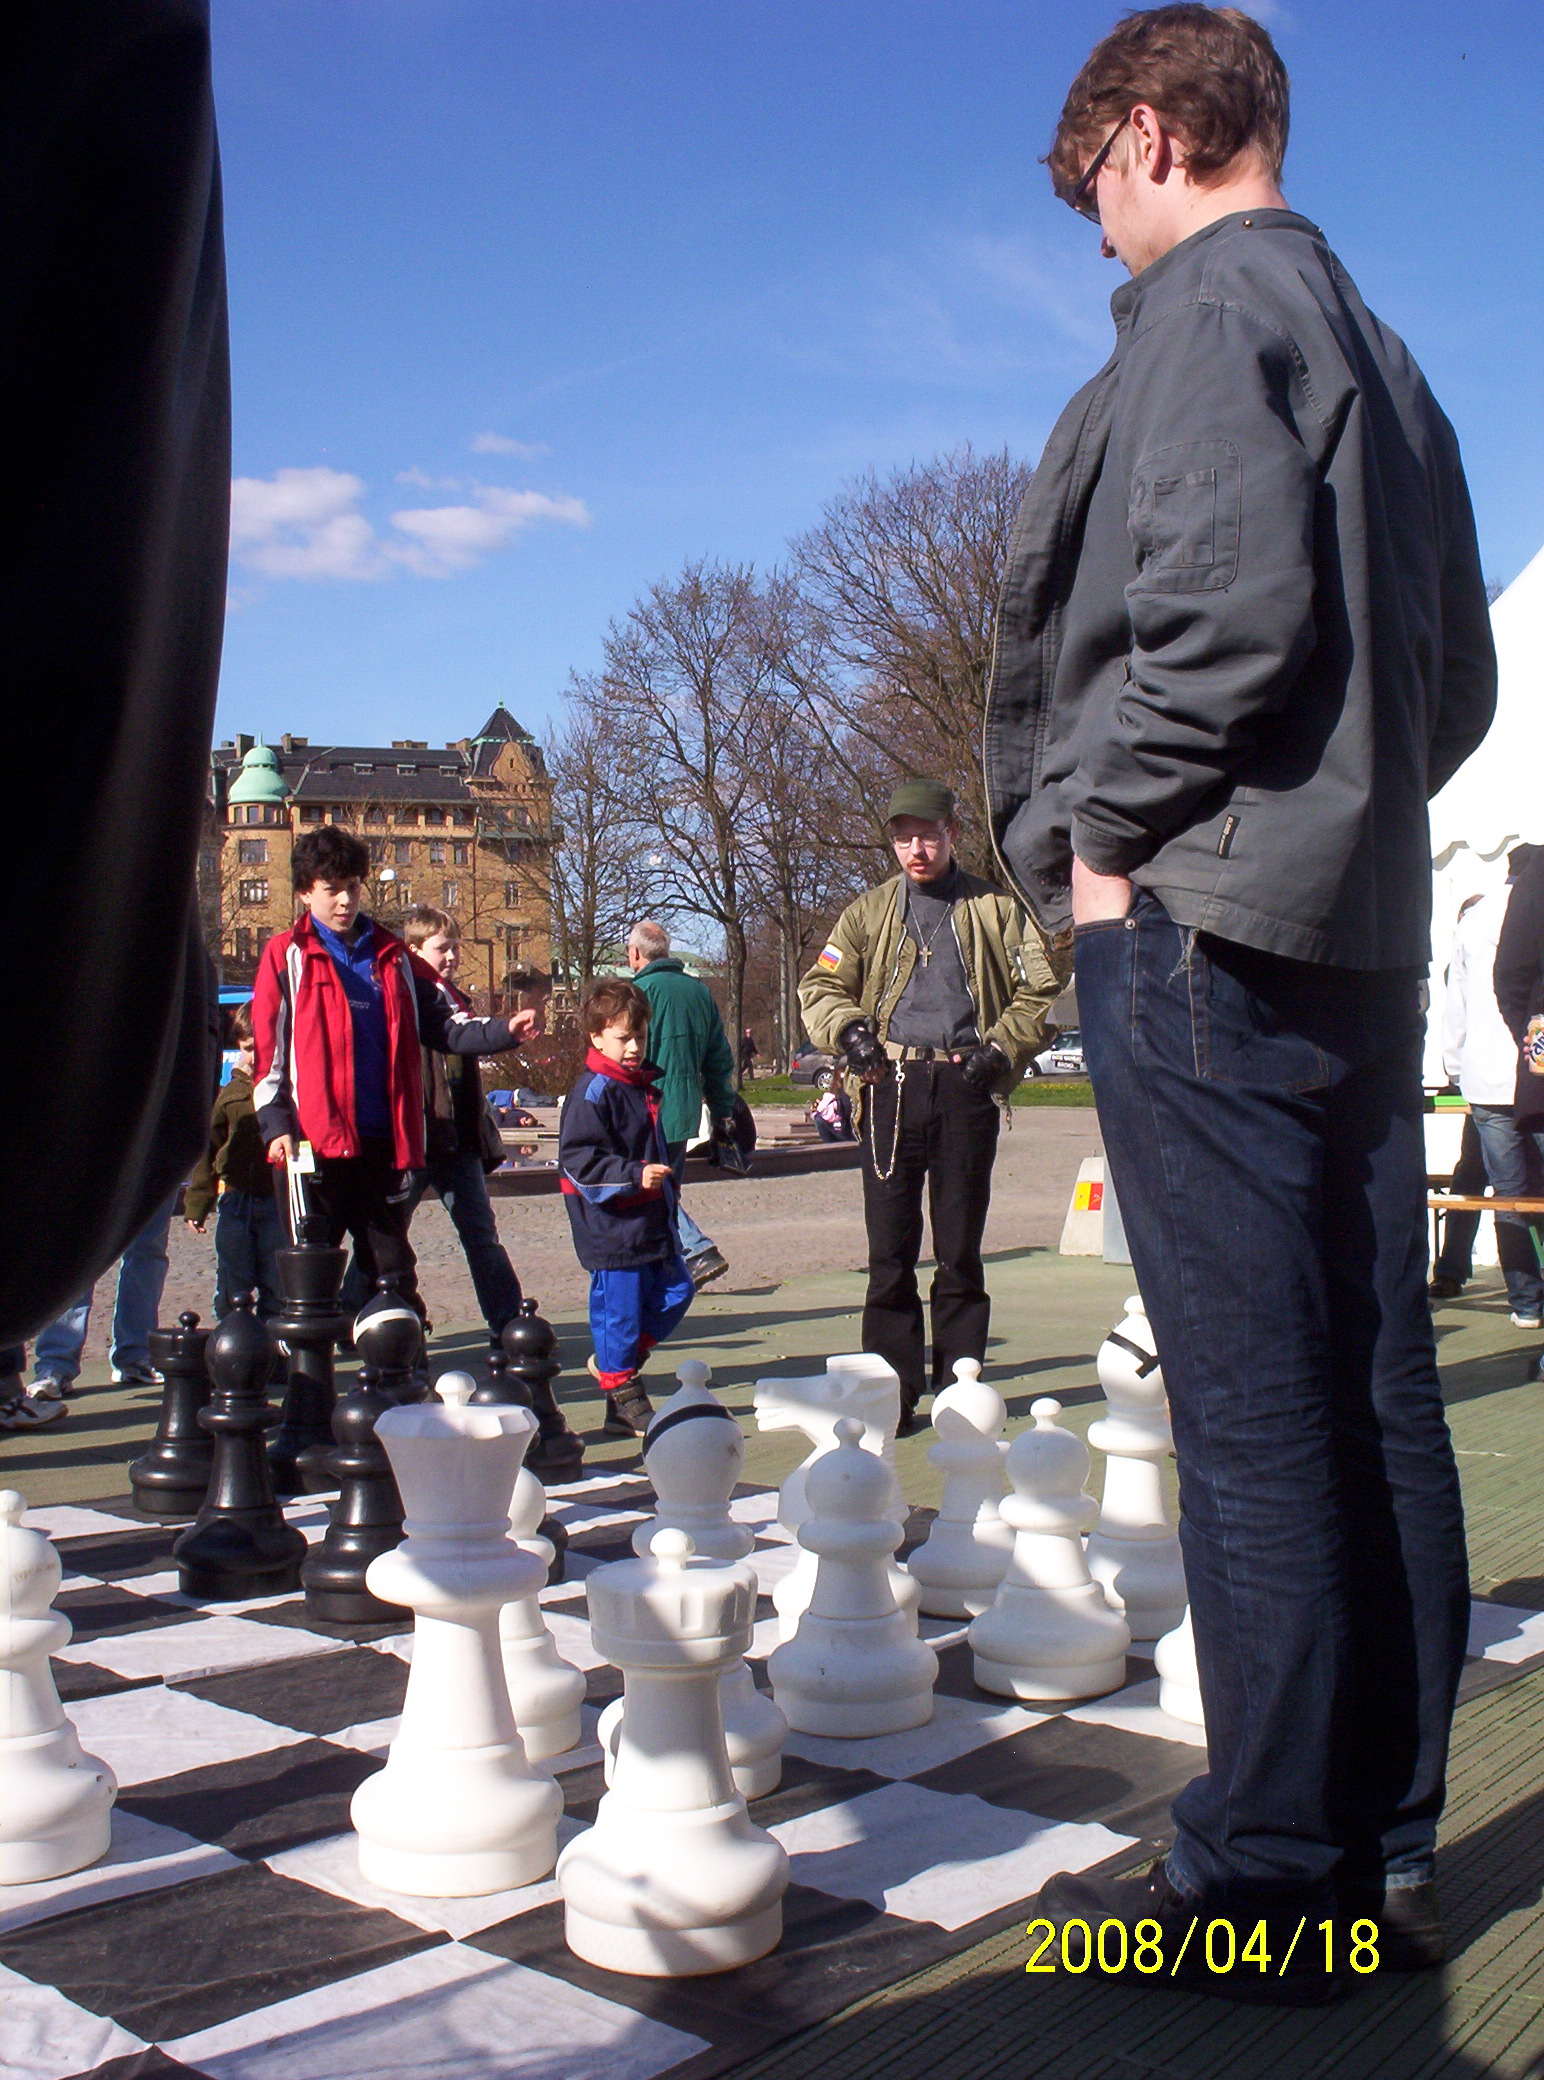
x=1184, y=515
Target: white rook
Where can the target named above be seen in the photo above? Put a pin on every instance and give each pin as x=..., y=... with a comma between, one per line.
x=1133, y=1553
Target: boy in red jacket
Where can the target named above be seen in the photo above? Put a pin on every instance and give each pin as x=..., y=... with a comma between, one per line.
x=340, y=1012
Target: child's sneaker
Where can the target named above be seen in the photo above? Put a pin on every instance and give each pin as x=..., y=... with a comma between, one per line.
x=51, y=1388
x=136, y=1376
x=629, y=1411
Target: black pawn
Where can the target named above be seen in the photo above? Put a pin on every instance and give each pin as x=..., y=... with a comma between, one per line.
x=240, y=1544
x=311, y=1277
x=531, y=1348
x=389, y=1337
x=171, y=1477
x=501, y=1390
x=365, y=1520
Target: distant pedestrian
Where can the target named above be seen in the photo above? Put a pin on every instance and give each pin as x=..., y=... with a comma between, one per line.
x=688, y=1044
x=619, y=1190
x=749, y=1052
x=234, y=1180
x=832, y=1110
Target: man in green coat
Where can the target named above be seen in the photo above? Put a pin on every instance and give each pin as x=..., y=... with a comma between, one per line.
x=688, y=1043
x=936, y=991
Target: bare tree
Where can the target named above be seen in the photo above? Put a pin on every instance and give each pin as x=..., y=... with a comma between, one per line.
x=602, y=881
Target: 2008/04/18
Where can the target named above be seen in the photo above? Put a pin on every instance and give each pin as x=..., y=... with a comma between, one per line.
x=1363, y=1952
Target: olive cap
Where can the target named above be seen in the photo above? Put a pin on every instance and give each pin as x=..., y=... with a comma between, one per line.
x=929, y=799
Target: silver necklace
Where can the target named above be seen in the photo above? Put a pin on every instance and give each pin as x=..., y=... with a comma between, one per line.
x=925, y=946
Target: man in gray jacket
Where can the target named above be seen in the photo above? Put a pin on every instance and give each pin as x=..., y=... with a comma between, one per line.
x=1242, y=638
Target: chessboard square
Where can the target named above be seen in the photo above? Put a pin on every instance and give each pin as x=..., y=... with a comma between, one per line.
x=450, y=2013
x=759, y=1507
x=148, y=1733
x=66, y=1520
x=332, y=1866
x=260, y=1805
x=1498, y=1632
x=143, y=1857
x=133, y=1549
x=99, y=1609
x=771, y=1563
x=572, y=1635
x=166, y=1964
x=166, y=1586
x=958, y=1726
x=766, y=1636
x=1137, y=1710
x=926, y=1856
x=199, y=1649
x=48, y=2038
x=1065, y=1769
x=315, y=1693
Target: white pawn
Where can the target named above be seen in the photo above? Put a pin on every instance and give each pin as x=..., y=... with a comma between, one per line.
x=673, y=1879
x=1050, y=1635
x=545, y=1691
x=693, y=1452
x=966, y=1553
x=1179, y=1681
x=55, y=1800
x=457, y=1811
x=1134, y=1554
x=858, y=1385
x=854, y=1668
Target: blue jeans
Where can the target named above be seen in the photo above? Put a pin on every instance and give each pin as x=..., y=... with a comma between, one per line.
x=141, y=1278
x=1514, y=1163
x=248, y=1229
x=691, y=1238
x=463, y=1188
x=1263, y=1123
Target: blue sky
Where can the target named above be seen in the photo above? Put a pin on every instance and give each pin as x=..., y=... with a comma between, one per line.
x=532, y=302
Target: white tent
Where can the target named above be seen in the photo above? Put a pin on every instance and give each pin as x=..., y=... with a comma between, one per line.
x=1496, y=798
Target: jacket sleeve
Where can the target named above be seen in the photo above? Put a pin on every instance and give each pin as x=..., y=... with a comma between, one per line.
x=1519, y=971
x=1019, y=1030
x=1221, y=496
x=1467, y=704
x=272, y=1015
x=443, y=1026
x=203, y=1186
x=831, y=994
x=588, y=1158
x=1455, y=1010
x=718, y=1067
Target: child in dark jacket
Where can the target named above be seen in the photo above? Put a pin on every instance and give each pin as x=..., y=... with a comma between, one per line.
x=617, y=1186
x=234, y=1172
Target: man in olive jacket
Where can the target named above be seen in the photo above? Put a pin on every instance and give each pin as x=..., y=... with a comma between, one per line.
x=687, y=1042
x=936, y=993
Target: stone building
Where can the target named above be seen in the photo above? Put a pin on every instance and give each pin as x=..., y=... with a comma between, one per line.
x=466, y=827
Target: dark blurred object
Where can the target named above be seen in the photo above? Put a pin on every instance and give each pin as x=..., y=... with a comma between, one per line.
x=311, y=1277
x=116, y=436
x=734, y=1140
x=521, y=1373
x=171, y=1477
x=363, y=1521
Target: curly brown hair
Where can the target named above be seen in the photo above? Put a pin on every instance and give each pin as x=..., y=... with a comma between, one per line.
x=612, y=999
x=1212, y=73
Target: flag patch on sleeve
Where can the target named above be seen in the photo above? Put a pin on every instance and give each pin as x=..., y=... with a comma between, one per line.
x=830, y=957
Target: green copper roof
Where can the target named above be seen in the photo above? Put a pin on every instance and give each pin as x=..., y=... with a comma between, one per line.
x=260, y=779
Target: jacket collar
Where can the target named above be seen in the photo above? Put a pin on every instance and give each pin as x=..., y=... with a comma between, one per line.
x=639, y=1074
x=1128, y=297
x=665, y=961
x=382, y=942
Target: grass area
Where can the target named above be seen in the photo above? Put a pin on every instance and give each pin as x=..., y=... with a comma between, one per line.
x=1044, y=1090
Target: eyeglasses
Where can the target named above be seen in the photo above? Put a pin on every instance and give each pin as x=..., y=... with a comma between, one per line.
x=1082, y=196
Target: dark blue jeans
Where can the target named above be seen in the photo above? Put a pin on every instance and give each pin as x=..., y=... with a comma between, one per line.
x=463, y=1188
x=1263, y=1123
x=1514, y=1163
x=248, y=1231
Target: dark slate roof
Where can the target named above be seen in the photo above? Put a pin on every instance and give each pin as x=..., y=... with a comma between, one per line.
x=385, y=784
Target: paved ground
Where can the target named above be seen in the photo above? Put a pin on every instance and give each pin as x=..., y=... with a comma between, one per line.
x=977, y=2017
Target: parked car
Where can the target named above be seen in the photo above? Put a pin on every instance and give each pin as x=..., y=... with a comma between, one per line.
x=1064, y=1056
x=810, y=1064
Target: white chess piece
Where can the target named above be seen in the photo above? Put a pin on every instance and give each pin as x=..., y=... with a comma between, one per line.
x=966, y=1553
x=457, y=1811
x=55, y=1800
x=674, y=1879
x=853, y=1668
x=1179, y=1682
x=1133, y=1554
x=856, y=1385
x=1050, y=1635
x=693, y=1451
x=545, y=1691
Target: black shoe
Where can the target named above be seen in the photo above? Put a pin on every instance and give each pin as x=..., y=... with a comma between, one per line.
x=629, y=1412
x=1271, y=1957
x=911, y=1419
x=705, y=1268
x=1411, y=1937
x=1442, y=1288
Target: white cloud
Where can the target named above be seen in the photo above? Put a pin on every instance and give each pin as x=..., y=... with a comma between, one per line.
x=306, y=523
x=427, y=483
x=501, y=444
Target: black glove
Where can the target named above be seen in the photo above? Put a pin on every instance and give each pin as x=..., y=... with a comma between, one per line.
x=861, y=1044
x=984, y=1066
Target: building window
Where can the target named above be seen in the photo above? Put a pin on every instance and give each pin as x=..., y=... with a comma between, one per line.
x=377, y=850
x=310, y=812
x=511, y=894
x=406, y=815
x=451, y=896
x=407, y=771
x=464, y=814
x=460, y=853
x=364, y=769
x=375, y=814
x=339, y=814
x=254, y=893
x=434, y=816
x=436, y=852
x=252, y=852
x=243, y=943
x=402, y=851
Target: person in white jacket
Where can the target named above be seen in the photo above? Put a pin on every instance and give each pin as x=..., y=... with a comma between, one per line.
x=1479, y=1054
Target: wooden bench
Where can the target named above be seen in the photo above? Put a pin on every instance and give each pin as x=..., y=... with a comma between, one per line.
x=1440, y=1203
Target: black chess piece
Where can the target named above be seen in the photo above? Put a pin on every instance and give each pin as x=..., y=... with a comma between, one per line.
x=389, y=1337
x=240, y=1544
x=311, y=1277
x=531, y=1351
x=364, y=1520
x=171, y=1477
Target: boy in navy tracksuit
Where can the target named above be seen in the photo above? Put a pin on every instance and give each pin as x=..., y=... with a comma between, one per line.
x=620, y=1195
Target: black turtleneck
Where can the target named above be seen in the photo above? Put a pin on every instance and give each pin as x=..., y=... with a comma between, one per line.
x=935, y=1008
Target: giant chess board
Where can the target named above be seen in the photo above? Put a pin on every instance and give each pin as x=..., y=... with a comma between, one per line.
x=229, y=1928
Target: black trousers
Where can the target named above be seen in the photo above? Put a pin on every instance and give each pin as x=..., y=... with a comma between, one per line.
x=945, y=1138
x=369, y=1199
